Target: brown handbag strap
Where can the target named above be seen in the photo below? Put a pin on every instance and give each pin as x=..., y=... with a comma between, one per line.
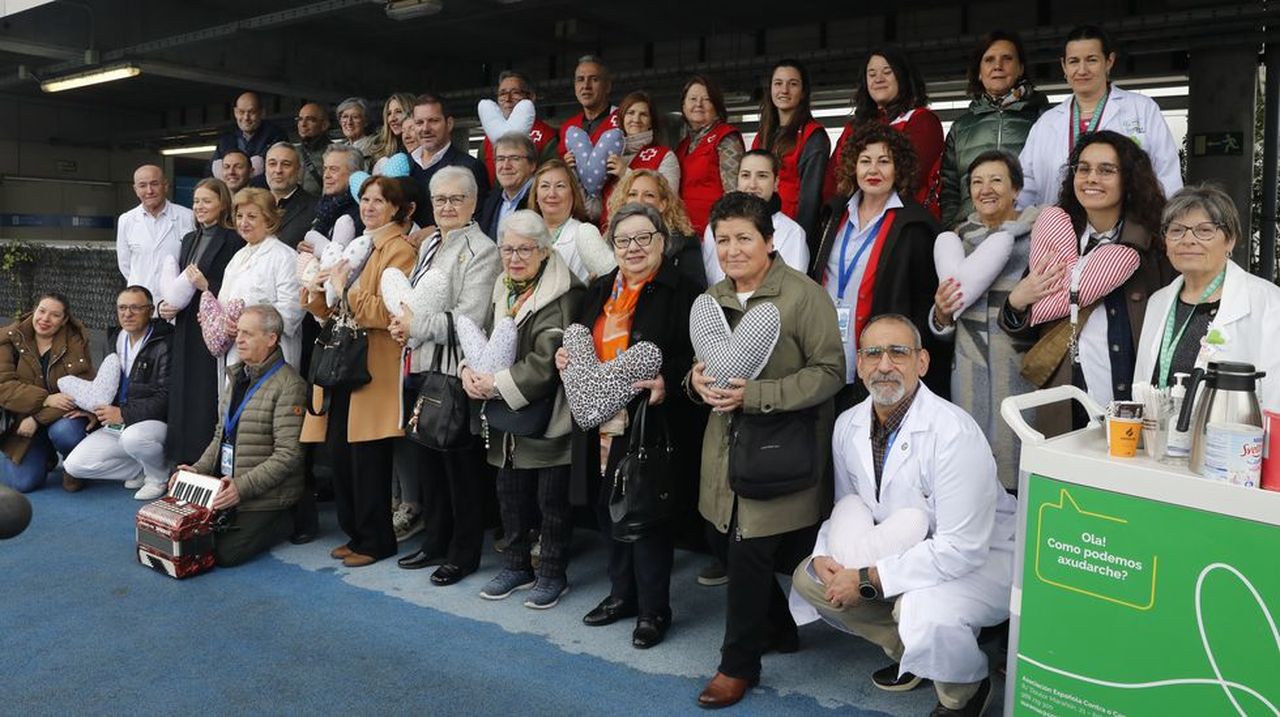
x=1042, y=360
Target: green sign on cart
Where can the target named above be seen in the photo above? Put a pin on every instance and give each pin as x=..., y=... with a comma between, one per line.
x=1135, y=607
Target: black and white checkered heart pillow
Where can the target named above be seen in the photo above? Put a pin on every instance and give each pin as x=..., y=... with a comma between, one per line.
x=740, y=353
x=596, y=391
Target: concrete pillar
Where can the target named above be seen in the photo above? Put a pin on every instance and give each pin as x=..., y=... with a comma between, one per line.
x=1223, y=87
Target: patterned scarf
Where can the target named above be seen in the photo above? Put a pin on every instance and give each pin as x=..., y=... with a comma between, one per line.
x=613, y=329
x=1015, y=94
x=519, y=292
x=330, y=208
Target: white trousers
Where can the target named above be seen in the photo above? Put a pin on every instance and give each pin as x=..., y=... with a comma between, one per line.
x=107, y=455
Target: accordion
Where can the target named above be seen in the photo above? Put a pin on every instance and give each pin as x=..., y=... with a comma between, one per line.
x=175, y=533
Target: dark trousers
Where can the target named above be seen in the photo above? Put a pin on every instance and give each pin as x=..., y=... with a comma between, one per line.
x=757, y=608
x=639, y=571
x=361, y=484
x=527, y=497
x=250, y=533
x=453, y=491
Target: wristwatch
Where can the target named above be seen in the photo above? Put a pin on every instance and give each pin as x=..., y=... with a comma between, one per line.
x=866, y=588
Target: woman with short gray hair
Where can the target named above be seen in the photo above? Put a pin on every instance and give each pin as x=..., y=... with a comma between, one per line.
x=353, y=120
x=525, y=417
x=1214, y=310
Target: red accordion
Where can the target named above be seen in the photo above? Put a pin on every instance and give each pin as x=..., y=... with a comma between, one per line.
x=175, y=533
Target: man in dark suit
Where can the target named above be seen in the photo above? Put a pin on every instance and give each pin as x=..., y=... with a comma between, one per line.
x=515, y=157
x=299, y=208
x=433, y=121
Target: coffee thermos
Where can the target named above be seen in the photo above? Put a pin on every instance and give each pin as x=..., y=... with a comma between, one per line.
x=1226, y=430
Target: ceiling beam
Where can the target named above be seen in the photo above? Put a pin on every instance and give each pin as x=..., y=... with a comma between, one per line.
x=40, y=49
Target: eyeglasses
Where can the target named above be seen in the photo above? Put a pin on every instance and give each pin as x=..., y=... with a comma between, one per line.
x=132, y=308
x=1204, y=231
x=642, y=240
x=524, y=252
x=898, y=354
x=512, y=93
x=505, y=158
x=1105, y=171
x=454, y=200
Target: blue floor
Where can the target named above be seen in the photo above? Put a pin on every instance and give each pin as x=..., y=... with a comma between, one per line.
x=86, y=630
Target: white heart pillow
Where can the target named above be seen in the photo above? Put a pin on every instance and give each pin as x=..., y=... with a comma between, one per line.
x=590, y=160
x=596, y=391
x=976, y=272
x=355, y=253
x=595, y=252
x=175, y=288
x=429, y=296
x=855, y=541
x=740, y=353
x=495, y=125
x=99, y=392
x=487, y=354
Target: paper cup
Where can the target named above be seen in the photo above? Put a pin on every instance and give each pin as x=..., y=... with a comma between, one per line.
x=1123, y=436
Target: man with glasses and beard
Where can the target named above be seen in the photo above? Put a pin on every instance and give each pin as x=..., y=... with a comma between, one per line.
x=906, y=456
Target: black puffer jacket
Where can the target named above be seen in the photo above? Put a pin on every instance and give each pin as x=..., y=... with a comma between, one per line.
x=148, y=397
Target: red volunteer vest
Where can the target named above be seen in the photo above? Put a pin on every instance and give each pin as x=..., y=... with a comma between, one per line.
x=700, y=184
x=648, y=158
x=789, y=174
x=541, y=134
x=578, y=119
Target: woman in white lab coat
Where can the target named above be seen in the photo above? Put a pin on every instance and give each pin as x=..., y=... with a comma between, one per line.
x=265, y=271
x=1214, y=310
x=1095, y=104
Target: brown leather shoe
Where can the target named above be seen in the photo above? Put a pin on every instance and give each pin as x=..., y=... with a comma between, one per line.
x=358, y=560
x=70, y=483
x=341, y=552
x=723, y=691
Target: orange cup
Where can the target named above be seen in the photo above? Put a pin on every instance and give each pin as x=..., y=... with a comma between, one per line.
x=1123, y=434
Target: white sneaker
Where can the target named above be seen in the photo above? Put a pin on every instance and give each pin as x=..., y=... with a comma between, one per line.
x=151, y=491
x=136, y=482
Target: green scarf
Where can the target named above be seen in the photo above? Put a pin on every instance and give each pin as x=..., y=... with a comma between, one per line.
x=519, y=291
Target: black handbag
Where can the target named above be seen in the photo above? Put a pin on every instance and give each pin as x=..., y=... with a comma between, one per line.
x=773, y=454
x=530, y=421
x=640, y=498
x=441, y=418
x=340, y=358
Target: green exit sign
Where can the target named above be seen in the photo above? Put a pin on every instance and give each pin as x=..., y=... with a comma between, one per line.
x=1217, y=144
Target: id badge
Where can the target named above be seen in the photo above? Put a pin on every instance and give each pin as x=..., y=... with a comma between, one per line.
x=226, y=459
x=844, y=317
x=116, y=428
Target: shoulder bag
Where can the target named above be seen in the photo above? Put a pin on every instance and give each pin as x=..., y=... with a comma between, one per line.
x=641, y=498
x=441, y=418
x=773, y=454
x=340, y=358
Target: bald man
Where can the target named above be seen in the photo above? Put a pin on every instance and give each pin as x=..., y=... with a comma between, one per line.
x=150, y=231
x=251, y=135
x=313, y=139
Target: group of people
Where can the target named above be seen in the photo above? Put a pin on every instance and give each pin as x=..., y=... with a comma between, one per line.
x=916, y=281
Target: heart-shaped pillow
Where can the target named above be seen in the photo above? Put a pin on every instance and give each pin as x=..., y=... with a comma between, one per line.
x=213, y=316
x=1106, y=268
x=397, y=165
x=355, y=182
x=740, y=353
x=355, y=253
x=596, y=391
x=495, y=125
x=487, y=354
x=976, y=272
x=99, y=392
x=590, y=160
x=595, y=252
x=855, y=541
x=175, y=288
x=308, y=267
x=429, y=296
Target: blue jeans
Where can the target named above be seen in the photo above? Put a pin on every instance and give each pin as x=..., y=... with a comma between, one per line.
x=61, y=436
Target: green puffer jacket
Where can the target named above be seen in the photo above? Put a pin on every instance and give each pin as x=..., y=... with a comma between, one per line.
x=268, y=458
x=985, y=126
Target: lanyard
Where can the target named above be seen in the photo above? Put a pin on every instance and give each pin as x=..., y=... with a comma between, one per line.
x=847, y=268
x=1170, y=342
x=233, y=419
x=1075, y=121
x=1073, y=290
x=126, y=368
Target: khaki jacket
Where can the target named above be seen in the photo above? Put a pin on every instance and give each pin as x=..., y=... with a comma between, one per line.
x=806, y=369
x=24, y=387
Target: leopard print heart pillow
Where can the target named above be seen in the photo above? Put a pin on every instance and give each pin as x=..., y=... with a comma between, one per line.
x=738, y=353
x=596, y=391
x=99, y=392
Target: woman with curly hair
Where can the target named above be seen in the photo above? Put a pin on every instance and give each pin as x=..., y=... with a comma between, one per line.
x=1102, y=245
x=876, y=252
x=648, y=186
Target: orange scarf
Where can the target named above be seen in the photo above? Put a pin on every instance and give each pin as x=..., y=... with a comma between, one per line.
x=612, y=332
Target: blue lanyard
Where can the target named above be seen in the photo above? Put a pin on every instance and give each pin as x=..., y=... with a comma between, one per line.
x=125, y=368
x=847, y=268
x=229, y=426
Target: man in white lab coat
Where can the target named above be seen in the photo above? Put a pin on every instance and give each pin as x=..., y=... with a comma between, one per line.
x=150, y=231
x=923, y=602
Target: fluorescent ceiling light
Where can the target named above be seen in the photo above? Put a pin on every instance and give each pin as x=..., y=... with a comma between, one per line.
x=92, y=77
x=201, y=149
x=409, y=9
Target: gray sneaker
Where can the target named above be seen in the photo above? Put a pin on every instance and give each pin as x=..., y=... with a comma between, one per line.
x=547, y=593
x=507, y=582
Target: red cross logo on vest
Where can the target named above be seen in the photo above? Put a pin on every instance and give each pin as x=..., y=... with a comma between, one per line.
x=535, y=135
x=648, y=154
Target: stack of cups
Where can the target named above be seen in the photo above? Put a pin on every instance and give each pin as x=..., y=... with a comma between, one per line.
x=1124, y=428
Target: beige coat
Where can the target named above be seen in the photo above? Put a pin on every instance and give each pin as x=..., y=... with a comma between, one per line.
x=375, y=410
